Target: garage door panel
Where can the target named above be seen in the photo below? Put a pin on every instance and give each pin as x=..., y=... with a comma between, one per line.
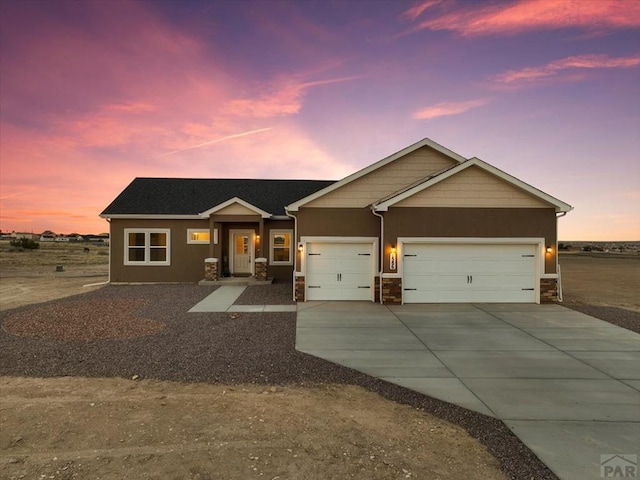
x=339, y=271
x=469, y=273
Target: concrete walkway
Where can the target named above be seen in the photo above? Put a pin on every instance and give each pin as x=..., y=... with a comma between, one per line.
x=567, y=384
x=222, y=300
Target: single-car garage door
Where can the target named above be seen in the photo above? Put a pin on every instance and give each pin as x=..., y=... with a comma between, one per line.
x=339, y=271
x=434, y=273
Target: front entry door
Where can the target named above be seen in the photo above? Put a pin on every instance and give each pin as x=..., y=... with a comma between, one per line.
x=241, y=252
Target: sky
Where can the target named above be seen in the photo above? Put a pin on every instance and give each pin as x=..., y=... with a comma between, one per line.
x=93, y=94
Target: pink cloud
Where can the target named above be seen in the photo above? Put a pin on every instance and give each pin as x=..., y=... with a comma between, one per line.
x=415, y=11
x=284, y=99
x=557, y=67
x=448, y=108
x=524, y=15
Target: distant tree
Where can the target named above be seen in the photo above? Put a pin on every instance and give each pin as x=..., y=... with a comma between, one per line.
x=24, y=244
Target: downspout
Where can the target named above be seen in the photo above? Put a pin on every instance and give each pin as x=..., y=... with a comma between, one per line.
x=558, y=271
x=295, y=257
x=381, y=249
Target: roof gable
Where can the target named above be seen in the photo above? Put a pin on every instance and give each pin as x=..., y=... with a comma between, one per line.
x=489, y=185
x=384, y=188
x=235, y=206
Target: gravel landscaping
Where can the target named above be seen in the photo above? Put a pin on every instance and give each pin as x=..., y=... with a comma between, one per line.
x=617, y=316
x=243, y=348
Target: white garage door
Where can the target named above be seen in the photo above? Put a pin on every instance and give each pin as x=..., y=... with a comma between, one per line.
x=434, y=273
x=339, y=271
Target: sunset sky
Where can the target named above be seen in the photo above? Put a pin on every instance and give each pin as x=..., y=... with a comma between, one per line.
x=93, y=94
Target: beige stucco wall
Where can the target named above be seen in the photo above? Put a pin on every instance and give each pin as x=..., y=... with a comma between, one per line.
x=473, y=187
x=385, y=180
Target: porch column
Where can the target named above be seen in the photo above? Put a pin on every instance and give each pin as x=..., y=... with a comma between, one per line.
x=211, y=269
x=260, y=252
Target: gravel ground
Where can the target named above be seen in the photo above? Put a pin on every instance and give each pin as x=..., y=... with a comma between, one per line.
x=218, y=348
x=618, y=316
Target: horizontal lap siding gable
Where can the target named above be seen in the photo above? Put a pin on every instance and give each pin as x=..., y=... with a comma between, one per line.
x=385, y=180
x=473, y=187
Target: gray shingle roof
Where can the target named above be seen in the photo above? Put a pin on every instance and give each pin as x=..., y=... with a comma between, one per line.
x=190, y=196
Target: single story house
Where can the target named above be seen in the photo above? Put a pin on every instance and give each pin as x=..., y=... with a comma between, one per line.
x=422, y=225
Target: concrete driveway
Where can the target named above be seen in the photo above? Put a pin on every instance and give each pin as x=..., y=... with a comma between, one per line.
x=567, y=384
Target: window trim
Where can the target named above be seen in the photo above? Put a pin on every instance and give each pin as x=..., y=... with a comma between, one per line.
x=147, y=246
x=272, y=246
x=191, y=231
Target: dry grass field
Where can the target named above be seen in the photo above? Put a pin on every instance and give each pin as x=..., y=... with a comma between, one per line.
x=30, y=276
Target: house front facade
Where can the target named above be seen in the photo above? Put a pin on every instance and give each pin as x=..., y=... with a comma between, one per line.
x=423, y=225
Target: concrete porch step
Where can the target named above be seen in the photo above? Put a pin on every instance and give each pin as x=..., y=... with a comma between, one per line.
x=237, y=281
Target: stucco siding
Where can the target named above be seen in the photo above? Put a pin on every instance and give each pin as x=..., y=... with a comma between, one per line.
x=472, y=222
x=186, y=260
x=473, y=187
x=385, y=180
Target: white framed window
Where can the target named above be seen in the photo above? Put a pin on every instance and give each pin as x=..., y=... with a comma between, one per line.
x=147, y=246
x=281, y=250
x=198, y=235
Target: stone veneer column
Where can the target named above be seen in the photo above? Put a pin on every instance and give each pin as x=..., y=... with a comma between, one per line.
x=261, y=269
x=211, y=269
x=299, y=289
x=548, y=290
x=392, y=290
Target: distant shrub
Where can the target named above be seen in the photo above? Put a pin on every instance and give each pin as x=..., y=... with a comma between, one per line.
x=24, y=244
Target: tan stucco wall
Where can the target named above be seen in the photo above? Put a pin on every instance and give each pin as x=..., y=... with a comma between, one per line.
x=187, y=260
x=385, y=180
x=472, y=187
x=472, y=222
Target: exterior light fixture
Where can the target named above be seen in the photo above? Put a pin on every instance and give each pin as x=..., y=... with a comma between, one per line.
x=549, y=249
x=393, y=260
x=300, y=247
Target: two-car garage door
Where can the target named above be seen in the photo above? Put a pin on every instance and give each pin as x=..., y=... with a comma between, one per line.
x=469, y=273
x=431, y=272
x=339, y=271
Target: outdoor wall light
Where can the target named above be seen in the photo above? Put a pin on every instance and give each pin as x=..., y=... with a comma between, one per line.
x=300, y=247
x=549, y=249
x=393, y=248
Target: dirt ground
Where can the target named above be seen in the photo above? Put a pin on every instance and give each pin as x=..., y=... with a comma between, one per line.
x=598, y=279
x=115, y=428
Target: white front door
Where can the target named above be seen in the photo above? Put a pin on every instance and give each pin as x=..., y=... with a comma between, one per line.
x=339, y=271
x=434, y=273
x=241, y=248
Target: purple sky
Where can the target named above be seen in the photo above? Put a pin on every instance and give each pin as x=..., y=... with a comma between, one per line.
x=95, y=93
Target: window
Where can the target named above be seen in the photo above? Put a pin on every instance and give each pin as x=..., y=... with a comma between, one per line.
x=281, y=247
x=146, y=246
x=198, y=235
